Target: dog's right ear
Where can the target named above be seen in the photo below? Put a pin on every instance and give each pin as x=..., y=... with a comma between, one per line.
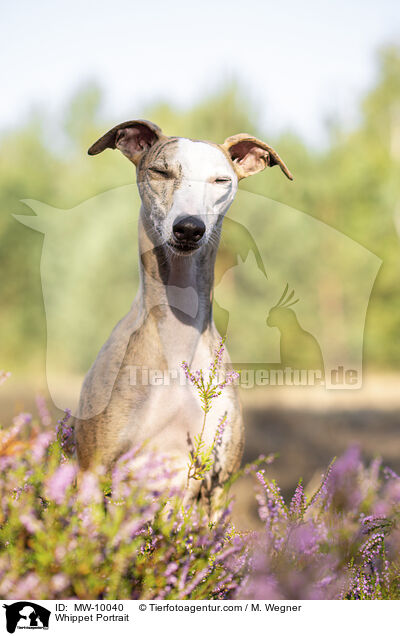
x=132, y=138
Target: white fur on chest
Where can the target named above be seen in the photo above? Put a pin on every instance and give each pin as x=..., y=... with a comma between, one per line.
x=174, y=410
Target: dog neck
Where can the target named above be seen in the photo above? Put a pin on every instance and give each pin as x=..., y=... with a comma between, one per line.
x=176, y=291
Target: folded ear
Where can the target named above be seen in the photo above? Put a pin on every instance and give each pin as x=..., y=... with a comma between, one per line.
x=250, y=155
x=132, y=138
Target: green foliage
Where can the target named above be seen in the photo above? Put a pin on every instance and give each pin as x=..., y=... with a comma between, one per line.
x=352, y=186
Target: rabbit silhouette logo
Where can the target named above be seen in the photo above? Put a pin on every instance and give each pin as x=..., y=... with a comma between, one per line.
x=26, y=615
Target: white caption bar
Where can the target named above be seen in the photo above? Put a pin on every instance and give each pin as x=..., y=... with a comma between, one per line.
x=195, y=617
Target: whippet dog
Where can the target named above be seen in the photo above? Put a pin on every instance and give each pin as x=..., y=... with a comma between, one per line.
x=186, y=187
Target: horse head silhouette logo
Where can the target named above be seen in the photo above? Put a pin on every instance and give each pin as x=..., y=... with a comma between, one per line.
x=26, y=615
x=299, y=349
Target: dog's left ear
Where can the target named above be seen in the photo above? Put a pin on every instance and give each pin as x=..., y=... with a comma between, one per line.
x=132, y=138
x=249, y=155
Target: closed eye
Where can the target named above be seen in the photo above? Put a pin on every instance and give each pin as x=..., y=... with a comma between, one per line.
x=222, y=180
x=160, y=171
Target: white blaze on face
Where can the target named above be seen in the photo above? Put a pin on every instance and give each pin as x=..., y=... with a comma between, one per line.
x=198, y=194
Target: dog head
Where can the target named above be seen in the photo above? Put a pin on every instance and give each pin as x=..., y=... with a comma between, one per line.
x=187, y=186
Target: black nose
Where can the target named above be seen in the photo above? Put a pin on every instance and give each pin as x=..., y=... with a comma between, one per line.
x=188, y=229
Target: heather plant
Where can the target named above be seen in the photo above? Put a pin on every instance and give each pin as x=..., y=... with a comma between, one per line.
x=130, y=540
x=339, y=542
x=127, y=535
x=208, y=386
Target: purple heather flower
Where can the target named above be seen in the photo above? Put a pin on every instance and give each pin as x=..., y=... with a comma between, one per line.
x=298, y=502
x=4, y=375
x=60, y=481
x=89, y=489
x=43, y=411
x=304, y=539
x=220, y=430
x=219, y=352
x=343, y=483
x=30, y=522
x=65, y=435
x=230, y=378
x=170, y=569
x=27, y=587
x=59, y=582
x=217, y=361
x=24, y=418
x=40, y=445
x=19, y=421
x=390, y=474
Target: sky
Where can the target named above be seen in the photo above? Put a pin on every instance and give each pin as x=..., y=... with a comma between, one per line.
x=300, y=63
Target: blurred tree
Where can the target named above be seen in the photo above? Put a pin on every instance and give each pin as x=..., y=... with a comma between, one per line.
x=353, y=186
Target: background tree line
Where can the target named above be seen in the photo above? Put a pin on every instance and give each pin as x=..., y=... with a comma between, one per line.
x=352, y=184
